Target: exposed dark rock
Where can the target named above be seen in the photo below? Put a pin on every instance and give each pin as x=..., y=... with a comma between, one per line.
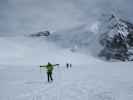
x=117, y=40
x=40, y=34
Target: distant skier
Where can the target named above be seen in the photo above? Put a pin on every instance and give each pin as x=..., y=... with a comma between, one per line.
x=50, y=68
x=68, y=65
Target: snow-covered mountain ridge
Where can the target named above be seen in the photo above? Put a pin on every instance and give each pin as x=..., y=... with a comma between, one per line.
x=116, y=38
x=88, y=40
x=113, y=25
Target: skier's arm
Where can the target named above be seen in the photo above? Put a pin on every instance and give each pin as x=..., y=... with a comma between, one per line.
x=43, y=66
x=56, y=64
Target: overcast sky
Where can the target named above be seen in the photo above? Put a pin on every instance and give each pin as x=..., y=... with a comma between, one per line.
x=28, y=16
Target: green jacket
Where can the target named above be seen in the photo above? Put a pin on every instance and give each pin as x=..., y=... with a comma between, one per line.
x=49, y=67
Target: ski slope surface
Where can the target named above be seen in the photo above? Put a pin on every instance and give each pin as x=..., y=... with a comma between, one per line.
x=88, y=79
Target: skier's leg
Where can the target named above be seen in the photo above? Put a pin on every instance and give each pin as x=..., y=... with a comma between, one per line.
x=48, y=76
x=51, y=76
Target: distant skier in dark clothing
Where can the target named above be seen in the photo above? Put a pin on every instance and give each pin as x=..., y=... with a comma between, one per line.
x=68, y=65
x=50, y=68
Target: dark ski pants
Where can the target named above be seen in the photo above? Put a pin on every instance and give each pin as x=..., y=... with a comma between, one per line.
x=49, y=75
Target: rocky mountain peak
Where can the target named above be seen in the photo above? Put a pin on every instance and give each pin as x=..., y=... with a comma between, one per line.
x=116, y=38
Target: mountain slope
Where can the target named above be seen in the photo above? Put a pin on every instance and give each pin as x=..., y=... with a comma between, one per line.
x=116, y=38
x=28, y=51
x=110, y=32
x=80, y=39
x=96, y=80
x=89, y=78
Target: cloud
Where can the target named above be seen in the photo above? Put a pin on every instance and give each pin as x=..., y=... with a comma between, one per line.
x=22, y=16
x=27, y=16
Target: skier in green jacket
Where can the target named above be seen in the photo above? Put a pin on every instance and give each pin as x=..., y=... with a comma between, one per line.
x=50, y=68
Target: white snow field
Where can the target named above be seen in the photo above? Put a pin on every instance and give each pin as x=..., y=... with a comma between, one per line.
x=89, y=78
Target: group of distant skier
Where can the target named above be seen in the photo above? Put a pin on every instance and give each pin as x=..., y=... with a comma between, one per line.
x=68, y=65
x=50, y=68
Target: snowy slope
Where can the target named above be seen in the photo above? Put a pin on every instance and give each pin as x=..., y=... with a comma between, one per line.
x=88, y=79
x=86, y=38
x=23, y=50
x=95, y=81
x=83, y=38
